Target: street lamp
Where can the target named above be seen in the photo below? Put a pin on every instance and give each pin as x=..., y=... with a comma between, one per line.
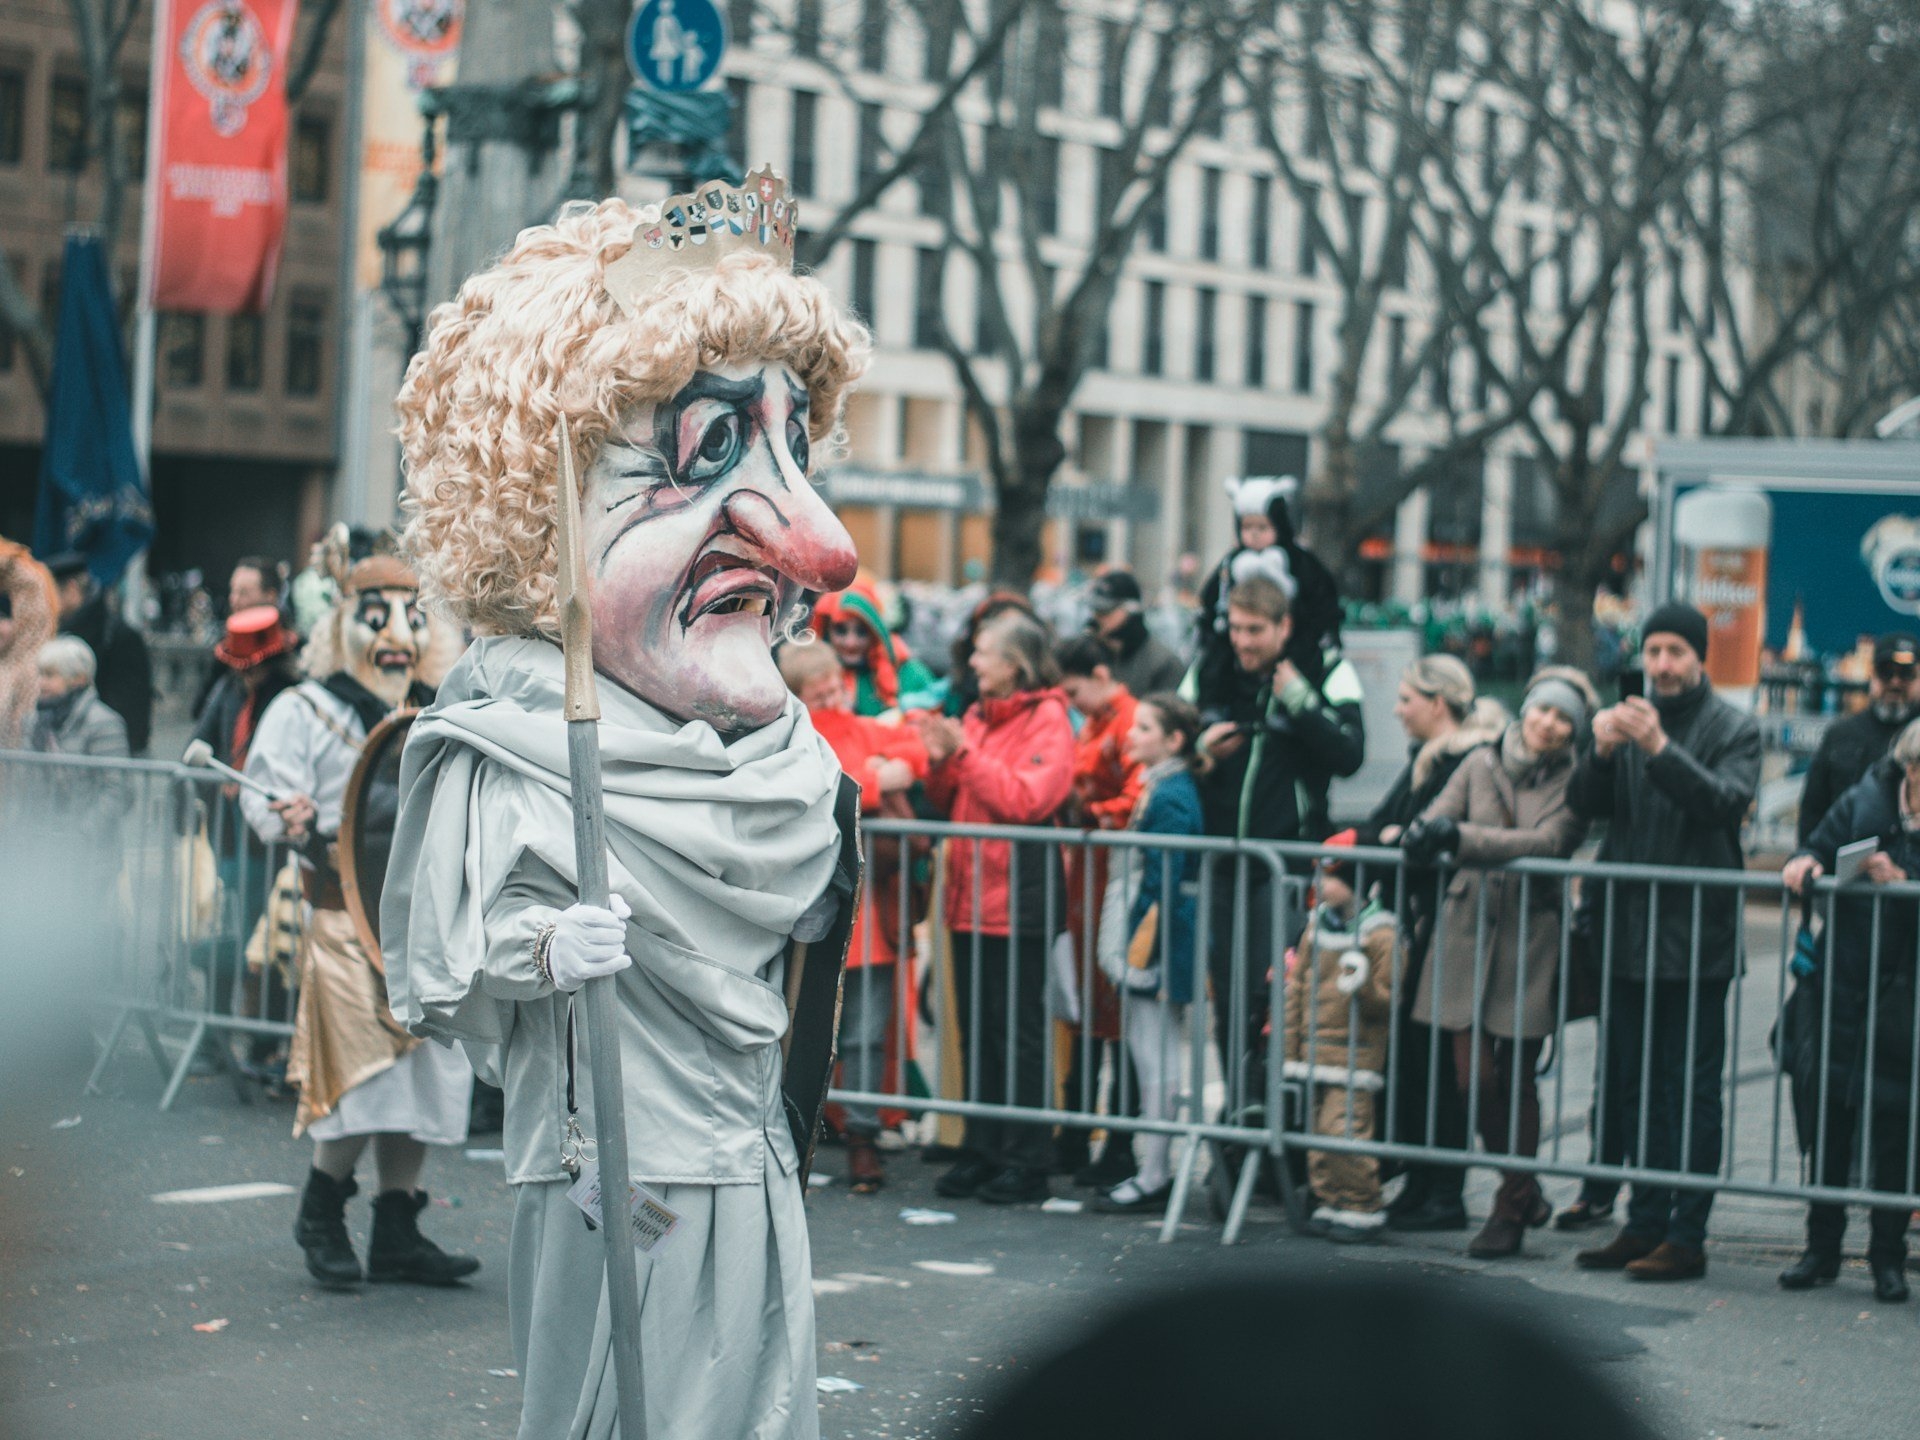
x=404, y=245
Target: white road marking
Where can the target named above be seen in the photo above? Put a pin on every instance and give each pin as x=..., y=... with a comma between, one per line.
x=216, y=1194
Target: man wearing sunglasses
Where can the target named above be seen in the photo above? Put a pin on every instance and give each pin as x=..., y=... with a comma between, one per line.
x=1852, y=744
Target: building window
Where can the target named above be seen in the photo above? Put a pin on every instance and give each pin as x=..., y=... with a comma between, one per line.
x=1482, y=383
x=1676, y=296
x=866, y=256
x=1256, y=360
x=50, y=296
x=1260, y=236
x=1209, y=214
x=868, y=145
x=245, y=335
x=806, y=27
x=1563, y=265
x=1153, y=329
x=13, y=113
x=1671, y=417
x=740, y=22
x=311, y=162
x=306, y=342
x=806, y=111
x=874, y=15
x=130, y=121
x=1354, y=208
x=1706, y=403
x=741, y=94
x=1440, y=379
x=1113, y=68
x=1396, y=352
x=1307, y=262
x=67, y=125
x=1154, y=230
x=7, y=346
x=1205, y=304
x=937, y=21
x=1489, y=153
x=1527, y=274
x=1050, y=50
x=927, y=301
x=1043, y=186
x=1303, y=348
x=183, y=350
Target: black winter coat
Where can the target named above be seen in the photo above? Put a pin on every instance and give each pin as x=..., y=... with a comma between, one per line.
x=1682, y=808
x=1274, y=786
x=1870, y=810
x=124, y=678
x=1847, y=752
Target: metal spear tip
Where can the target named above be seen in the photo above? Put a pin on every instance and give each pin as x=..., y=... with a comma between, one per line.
x=199, y=755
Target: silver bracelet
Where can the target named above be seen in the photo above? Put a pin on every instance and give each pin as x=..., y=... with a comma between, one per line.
x=543, y=951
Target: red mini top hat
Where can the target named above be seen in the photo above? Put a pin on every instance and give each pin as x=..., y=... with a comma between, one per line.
x=254, y=635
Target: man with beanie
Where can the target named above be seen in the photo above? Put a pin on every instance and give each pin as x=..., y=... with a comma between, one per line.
x=1674, y=774
x=1138, y=661
x=1853, y=743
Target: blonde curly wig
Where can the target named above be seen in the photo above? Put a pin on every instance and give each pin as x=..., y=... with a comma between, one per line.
x=538, y=336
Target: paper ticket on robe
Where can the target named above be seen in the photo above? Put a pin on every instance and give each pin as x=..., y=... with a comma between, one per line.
x=653, y=1222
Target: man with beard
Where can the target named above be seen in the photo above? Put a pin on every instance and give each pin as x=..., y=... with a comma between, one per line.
x=361, y=1077
x=1851, y=745
x=694, y=376
x=1673, y=773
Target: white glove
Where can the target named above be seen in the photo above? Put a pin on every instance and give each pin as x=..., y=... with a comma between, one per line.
x=1353, y=973
x=589, y=942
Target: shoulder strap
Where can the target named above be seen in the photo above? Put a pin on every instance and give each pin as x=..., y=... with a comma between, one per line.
x=334, y=727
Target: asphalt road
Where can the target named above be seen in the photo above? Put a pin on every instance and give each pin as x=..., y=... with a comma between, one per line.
x=101, y=1291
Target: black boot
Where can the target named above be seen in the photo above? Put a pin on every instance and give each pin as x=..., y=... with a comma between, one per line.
x=321, y=1230
x=398, y=1251
x=1814, y=1267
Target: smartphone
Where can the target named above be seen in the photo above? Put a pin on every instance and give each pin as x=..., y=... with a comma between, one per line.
x=1632, y=683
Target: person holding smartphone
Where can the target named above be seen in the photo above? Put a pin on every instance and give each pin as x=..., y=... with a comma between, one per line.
x=1674, y=772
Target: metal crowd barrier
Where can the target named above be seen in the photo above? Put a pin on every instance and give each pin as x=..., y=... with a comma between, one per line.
x=974, y=1057
x=142, y=880
x=139, y=884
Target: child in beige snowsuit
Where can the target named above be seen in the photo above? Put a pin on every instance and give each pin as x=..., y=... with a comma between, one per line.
x=1344, y=971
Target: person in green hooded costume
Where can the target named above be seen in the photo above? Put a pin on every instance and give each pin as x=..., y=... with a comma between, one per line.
x=882, y=675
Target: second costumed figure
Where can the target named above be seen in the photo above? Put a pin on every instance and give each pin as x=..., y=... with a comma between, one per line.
x=696, y=372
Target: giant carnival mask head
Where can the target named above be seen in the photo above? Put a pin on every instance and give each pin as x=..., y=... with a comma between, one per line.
x=377, y=630
x=698, y=374
x=385, y=630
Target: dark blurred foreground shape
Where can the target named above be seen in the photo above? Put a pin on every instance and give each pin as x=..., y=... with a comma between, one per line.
x=1314, y=1359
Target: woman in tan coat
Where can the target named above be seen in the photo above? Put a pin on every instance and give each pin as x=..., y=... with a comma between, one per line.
x=1492, y=981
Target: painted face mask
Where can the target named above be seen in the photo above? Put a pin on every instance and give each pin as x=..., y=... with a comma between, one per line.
x=385, y=634
x=701, y=530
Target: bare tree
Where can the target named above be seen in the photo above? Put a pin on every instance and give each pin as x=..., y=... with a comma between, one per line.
x=1355, y=113
x=1043, y=308
x=1621, y=113
x=1826, y=188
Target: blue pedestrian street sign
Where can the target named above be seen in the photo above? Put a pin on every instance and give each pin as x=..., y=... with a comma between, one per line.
x=676, y=45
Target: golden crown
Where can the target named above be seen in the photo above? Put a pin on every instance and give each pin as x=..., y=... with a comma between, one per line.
x=693, y=231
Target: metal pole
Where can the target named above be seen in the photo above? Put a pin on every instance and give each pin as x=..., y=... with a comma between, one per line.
x=603, y=1036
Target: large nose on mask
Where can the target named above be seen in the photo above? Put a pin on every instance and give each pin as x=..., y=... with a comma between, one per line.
x=798, y=534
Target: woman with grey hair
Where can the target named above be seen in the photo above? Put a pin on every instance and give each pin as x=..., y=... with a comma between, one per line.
x=1493, y=979
x=1867, y=1082
x=1008, y=761
x=71, y=719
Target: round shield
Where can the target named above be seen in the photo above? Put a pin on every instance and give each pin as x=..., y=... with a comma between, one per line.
x=367, y=818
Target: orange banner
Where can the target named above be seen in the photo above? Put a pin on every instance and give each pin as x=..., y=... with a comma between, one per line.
x=217, y=178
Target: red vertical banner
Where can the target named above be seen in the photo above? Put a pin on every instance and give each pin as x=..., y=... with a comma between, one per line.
x=217, y=174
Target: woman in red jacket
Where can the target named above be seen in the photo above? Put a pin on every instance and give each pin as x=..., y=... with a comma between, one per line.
x=1008, y=761
x=887, y=761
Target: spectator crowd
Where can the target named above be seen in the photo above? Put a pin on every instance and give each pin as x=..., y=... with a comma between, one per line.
x=1420, y=996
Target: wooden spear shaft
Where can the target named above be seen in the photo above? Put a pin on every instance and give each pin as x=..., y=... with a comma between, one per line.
x=602, y=1006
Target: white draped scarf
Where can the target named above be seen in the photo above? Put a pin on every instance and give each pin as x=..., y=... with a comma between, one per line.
x=718, y=846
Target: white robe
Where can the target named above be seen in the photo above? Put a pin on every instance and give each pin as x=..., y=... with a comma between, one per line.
x=718, y=849
x=307, y=744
